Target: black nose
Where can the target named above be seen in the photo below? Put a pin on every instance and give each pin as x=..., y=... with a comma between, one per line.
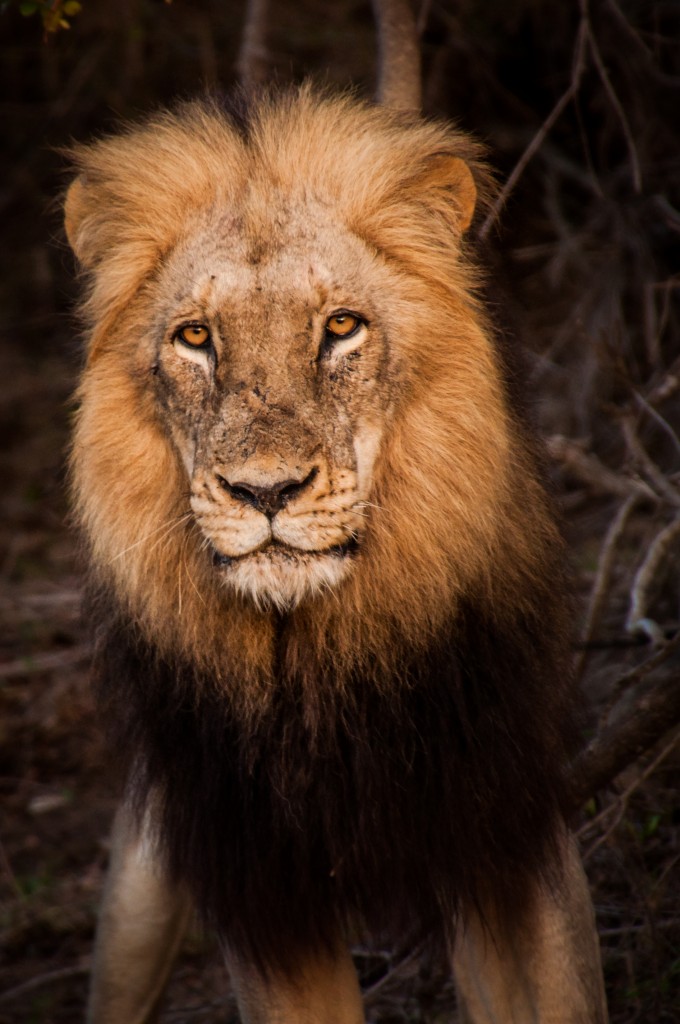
x=269, y=499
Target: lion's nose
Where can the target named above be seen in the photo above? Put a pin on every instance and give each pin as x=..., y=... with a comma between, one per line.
x=268, y=499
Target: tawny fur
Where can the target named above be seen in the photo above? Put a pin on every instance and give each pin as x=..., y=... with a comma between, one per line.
x=458, y=548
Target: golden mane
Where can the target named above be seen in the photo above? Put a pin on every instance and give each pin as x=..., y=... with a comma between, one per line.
x=455, y=504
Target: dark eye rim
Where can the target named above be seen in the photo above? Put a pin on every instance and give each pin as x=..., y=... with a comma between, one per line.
x=332, y=338
x=204, y=345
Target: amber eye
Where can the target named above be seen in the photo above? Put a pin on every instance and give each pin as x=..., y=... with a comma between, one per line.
x=195, y=335
x=341, y=325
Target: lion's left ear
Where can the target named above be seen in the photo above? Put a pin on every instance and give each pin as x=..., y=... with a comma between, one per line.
x=448, y=179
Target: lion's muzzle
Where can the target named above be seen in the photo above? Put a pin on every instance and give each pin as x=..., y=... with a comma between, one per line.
x=279, y=530
x=270, y=499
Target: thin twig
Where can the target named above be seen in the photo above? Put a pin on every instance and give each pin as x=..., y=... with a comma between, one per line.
x=640, y=672
x=381, y=983
x=621, y=802
x=591, y=471
x=646, y=575
x=216, y=1007
x=600, y=586
x=543, y=131
x=616, y=104
x=654, y=475
x=662, y=423
x=638, y=721
x=46, y=662
x=43, y=981
x=8, y=872
x=668, y=386
x=628, y=685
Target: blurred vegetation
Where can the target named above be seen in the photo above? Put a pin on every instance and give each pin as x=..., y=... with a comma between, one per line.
x=577, y=103
x=54, y=14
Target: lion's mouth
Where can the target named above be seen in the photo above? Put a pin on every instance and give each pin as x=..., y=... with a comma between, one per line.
x=278, y=549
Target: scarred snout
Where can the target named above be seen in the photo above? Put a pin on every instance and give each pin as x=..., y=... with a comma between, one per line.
x=279, y=529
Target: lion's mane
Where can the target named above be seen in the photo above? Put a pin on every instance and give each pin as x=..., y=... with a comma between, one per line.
x=388, y=752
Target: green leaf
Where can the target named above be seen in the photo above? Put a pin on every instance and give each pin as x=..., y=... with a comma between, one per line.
x=652, y=826
x=72, y=7
x=27, y=9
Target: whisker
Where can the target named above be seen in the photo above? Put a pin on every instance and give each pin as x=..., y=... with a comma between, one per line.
x=168, y=532
x=181, y=564
x=197, y=591
x=169, y=525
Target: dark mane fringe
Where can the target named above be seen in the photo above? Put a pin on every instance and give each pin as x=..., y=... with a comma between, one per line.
x=401, y=805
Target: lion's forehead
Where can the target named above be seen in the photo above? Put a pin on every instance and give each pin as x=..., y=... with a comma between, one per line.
x=225, y=282
x=303, y=254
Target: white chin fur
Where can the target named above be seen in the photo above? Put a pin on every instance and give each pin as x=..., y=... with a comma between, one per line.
x=283, y=580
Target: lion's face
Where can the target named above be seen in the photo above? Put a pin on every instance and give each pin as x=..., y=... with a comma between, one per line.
x=272, y=367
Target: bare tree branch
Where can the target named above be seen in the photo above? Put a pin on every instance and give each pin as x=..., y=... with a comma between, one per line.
x=399, y=76
x=253, y=60
x=47, y=661
x=639, y=720
x=598, y=594
x=662, y=423
x=648, y=467
x=616, y=104
x=43, y=981
x=614, y=812
x=656, y=556
x=565, y=99
x=591, y=471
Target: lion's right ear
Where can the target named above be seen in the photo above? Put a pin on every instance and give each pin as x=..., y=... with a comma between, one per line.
x=76, y=206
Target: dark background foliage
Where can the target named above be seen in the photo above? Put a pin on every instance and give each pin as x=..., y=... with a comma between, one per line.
x=577, y=103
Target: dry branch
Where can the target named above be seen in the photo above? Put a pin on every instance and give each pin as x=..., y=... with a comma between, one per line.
x=45, y=662
x=403, y=961
x=594, y=473
x=654, y=562
x=637, y=722
x=44, y=981
x=610, y=817
x=662, y=423
x=399, y=75
x=656, y=478
x=615, y=102
x=667, y=387
x=252, y=63
x=600, y=587
x=537, y=141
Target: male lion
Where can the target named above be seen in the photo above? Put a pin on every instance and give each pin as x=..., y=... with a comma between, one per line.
x=324, y=572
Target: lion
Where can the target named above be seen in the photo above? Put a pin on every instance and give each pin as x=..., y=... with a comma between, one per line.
x=326, y=579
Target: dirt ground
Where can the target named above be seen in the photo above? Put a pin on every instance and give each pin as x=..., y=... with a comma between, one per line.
x=588, y=351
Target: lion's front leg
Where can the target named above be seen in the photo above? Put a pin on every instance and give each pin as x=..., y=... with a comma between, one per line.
x=546, y=972
x=325, y=990
x=141, y=924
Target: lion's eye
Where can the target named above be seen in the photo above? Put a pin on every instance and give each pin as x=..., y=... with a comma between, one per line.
x=194, y=335
x=342, y=325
